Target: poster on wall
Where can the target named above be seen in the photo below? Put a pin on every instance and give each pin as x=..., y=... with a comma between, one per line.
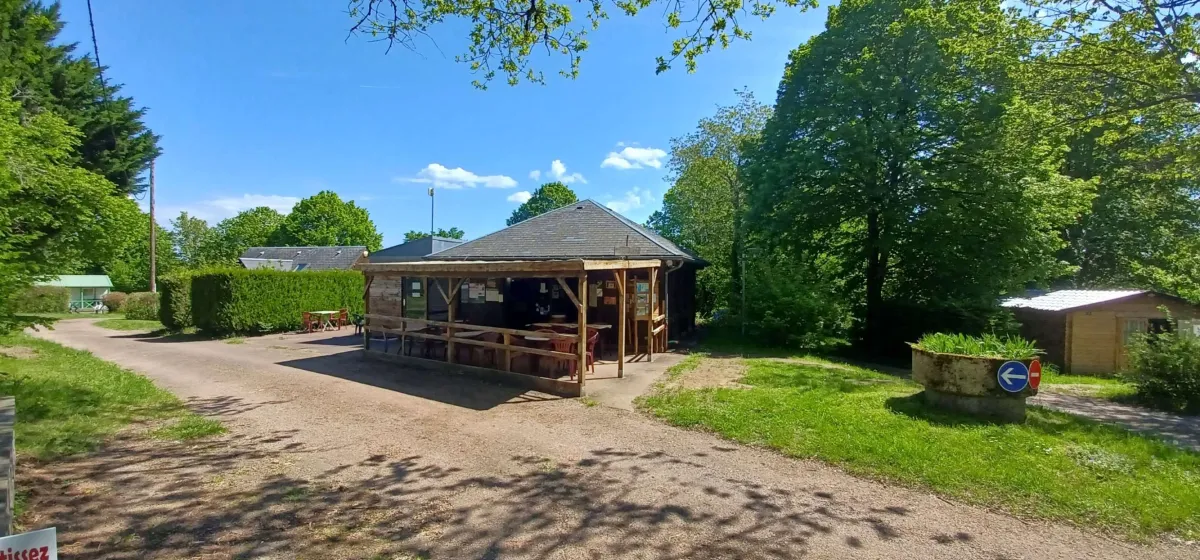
x=642, y=305
x=643, y=287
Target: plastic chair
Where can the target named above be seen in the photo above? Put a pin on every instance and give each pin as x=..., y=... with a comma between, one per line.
x=343, y=318
x=306, y=319
x=591, y=349
x=565, y=345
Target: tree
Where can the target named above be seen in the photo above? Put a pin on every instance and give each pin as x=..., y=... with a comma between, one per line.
x=900, y=147
x=504, y=35
x=53, y=214
x=113, y=140
x=452, y=233
x=323, y=220
x=129, y=267
x=249, y=228
x=704, y=207
x=546, y=198
x=194, y=240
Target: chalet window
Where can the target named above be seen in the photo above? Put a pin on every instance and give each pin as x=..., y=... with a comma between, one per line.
x=1134, y=327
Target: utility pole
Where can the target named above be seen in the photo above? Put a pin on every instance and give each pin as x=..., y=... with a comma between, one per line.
x=431, y=212
x=153, y=232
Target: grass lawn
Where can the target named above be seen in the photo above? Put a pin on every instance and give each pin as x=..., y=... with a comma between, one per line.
x=1109, y=388
x=1054, y=466
x=69, y=401
x=62, y=316
x=123, y=324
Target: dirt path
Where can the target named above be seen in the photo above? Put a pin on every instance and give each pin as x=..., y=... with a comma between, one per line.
x=330, y=456
x=1183, y=431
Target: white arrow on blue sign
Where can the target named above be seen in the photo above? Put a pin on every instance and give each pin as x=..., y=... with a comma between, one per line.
x=1013, y=376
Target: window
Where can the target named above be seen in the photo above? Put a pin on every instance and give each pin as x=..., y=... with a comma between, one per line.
x=1134, y=327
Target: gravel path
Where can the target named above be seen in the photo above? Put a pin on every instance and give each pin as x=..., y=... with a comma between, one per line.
x=1183, y=431
x=473, y=470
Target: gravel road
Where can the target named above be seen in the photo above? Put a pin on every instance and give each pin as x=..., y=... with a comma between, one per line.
x=477, y=470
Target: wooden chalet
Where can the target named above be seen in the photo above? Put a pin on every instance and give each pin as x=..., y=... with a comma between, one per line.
x=526, y=303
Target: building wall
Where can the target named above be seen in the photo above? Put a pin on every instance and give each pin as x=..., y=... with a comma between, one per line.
x=1098, y=333
x=384, y=296
x=1047, y=329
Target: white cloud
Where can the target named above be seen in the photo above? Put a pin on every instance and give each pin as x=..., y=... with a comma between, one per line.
x=558, y=172
x=520, y=197
x=632, y=157
x=443, y=177
x=632, y=200
x=217, y=209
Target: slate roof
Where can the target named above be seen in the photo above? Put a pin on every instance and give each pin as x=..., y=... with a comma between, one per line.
x=305, y=258
x=585, y=229
x=79, y=281
x=1063, y=300
x=414, y=250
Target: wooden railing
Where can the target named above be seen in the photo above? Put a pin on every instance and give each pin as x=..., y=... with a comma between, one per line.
x=405, y=330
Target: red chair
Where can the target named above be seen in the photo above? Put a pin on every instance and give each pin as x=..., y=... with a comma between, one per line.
x=306, y=319
x=593, y=336
x=343, y=318
x=565, y=345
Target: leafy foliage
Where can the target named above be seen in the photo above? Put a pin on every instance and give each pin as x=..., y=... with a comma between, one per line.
x=452, y=233
x=175, y=303
x=900, y=147
x=52, y=213
x=249, y=228
x=112, y=141
x=705, y=207
x=546, y=198
x=129, y=267
x=323, y=220
x=142, y=306
x=254, y=301
x=42, y=299
x=115, y=301
x=504, y=35
x=986, y=346
x=1165, y=367
x=193, y=240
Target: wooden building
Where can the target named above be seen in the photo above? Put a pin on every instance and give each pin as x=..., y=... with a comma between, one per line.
x=561, y=278
x=1085, y=331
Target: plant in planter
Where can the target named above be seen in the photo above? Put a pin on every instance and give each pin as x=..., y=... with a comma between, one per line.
x=985, y=376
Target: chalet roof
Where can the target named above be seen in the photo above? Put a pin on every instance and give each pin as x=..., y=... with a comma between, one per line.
x=1063, y=300
x=79, y=281
x=583, y=230
x=304, y=258
x=414, y=250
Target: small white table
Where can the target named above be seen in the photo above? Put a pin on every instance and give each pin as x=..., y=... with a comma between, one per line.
x=326, y=323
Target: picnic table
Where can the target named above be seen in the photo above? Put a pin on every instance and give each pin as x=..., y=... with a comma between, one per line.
x=326, y=319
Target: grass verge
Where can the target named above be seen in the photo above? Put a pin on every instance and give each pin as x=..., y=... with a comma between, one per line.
x=62, y=316
x=1053, y=466
x=130, y=324
x=1109, y=388
x=190, y=427
x=69, y=401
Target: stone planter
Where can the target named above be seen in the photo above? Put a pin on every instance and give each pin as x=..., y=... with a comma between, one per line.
x=968, y=384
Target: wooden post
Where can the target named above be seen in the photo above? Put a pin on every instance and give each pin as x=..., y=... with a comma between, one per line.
x=650, y=319
x=619, y=275
x=450, y=305
x=581, y=304
x=366, y=310
x=507, y=352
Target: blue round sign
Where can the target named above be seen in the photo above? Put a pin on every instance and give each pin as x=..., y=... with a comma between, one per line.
x=1013, y=377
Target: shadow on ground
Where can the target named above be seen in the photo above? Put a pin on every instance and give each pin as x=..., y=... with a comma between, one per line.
x=229, y=498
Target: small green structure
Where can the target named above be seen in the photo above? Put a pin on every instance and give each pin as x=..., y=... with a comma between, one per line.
x=87, y=290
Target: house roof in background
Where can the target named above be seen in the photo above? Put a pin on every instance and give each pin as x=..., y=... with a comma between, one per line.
x=308, y=258
x=1070, y=299
x=79, y=281
x=585, y=229
x=414, y=250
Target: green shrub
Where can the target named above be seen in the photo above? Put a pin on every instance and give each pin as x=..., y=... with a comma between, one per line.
x=115, y=301
x=257, y=301
x=142, y=306
x=1165, y=367
x=175, y=303
x=791, y=303
x=43, y=299
x=986, y=346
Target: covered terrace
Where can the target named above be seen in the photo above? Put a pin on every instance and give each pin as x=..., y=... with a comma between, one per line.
x=538, y=323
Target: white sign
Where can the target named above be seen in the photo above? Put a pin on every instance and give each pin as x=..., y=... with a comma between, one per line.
x=36, y=545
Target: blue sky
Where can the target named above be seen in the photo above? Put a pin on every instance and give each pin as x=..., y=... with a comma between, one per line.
x=262, y=103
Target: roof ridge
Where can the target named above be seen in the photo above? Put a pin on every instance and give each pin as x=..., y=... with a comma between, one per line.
x=636, y=227
x=508, y=227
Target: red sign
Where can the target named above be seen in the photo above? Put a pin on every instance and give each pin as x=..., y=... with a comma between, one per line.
x=1035, y=374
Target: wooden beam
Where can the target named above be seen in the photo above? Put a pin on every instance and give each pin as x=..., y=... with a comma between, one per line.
x=581, y=346
x=425, y=295
x=451, y=305
x=455, y=287
x=620, y=264
x=445, y=297
x=518, y=332
x=513, y=268
x=485, y=344
x=367, y=309
x=649, y=320
x=563, y=282
x=620, y=276
x=507, y=352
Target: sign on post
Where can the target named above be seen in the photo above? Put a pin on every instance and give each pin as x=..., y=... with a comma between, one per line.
x=35, y=545
x=1035, y=373
x=1013, y=376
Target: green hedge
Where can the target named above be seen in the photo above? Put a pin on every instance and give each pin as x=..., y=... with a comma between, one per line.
x=43, y=299
x=175, y=303
x=257, y=301
x=142, y=306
